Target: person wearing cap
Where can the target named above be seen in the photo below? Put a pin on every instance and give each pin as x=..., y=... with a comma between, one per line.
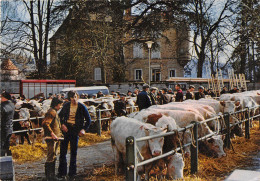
x=224, y=90
x=100, y=94
x=52, y=129
x=94, y=96
x=129, y=93
x=162, y=97
x=179, y=94
x=75, y=120
x=198, y=95
x=211, y=93
x=120, y=106
x=234, y=90
x=170, y=91
x=112, y=92
x=7, y=114
x=153, y=95
x=143, y=99
x=136, y=92
x=189, y=93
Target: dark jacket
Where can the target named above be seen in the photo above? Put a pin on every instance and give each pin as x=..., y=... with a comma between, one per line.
x=189, y=95
x=179, y=96
x=199, y=95
x=153, y=98
x=120, y=108
x=7, y=115
x=163, y=99
x=82, y=120
x=143, y=100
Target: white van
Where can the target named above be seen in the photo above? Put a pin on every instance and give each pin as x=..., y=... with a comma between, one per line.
x=87, y=90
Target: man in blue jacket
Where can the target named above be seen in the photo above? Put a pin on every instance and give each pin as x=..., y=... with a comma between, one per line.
x=75, y=120
x=143, y=99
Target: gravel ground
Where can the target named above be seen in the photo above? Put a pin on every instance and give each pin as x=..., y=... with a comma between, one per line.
x=88, y=158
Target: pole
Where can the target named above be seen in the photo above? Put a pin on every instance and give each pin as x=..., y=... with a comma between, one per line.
x=99, y=122
x=130, y=159
x=226, y=118
x=247, y=127
x=194, y=149
x=149, y=66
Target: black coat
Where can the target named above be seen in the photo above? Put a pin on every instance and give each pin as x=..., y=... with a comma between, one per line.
x=199, y=95
x=189, y=95
x=120, y=108
x=153, y=98
x=179, y=96
x=7, y=115
x=143, y=100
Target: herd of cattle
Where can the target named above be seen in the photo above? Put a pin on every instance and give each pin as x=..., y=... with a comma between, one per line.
x=159, y=119
x=155, y=120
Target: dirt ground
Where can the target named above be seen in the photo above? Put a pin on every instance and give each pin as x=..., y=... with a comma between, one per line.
x=88, y=158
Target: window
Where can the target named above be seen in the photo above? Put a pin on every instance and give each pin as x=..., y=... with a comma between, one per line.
x=156, y=53
x=97, y=73
x=138, y=74
x=137, y=50
x=172, y=73
x=156, y=75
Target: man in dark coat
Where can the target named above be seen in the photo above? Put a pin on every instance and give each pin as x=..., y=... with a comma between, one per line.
x=224, y=90
x=190, y=94
x=143, y=99
x=7, y=114
x=234, y=90
x=200, y=94
x=120, y=106
x=179, y=94
x=163, y=98
x=153, y=96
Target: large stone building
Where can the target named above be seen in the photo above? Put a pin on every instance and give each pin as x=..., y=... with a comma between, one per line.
x=169, y=55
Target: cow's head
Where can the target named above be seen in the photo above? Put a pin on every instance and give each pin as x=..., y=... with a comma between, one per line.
x=175, y=166
x=155, y=144
x=230, y=106
x=215, y=146
x=24, y=113
x=153, y=118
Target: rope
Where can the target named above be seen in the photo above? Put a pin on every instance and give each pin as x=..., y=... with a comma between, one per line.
x=192, y=137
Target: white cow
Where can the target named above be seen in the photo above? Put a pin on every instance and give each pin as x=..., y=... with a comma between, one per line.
x=175, y=166
x=123, y=127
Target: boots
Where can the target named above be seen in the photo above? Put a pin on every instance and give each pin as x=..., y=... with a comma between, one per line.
x=50, y=171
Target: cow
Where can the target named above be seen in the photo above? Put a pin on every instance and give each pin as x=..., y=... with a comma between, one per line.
x=23, y=113
x=183, y=119
x=123, y=127
x=175, y=166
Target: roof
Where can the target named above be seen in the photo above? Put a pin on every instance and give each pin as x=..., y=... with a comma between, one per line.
x=8, y=65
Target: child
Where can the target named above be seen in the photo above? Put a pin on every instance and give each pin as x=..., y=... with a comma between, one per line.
x=52, y=130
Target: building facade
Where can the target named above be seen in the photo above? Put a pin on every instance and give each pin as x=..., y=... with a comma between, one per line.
x=169, y=55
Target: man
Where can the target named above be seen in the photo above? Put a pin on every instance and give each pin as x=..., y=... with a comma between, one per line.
x=234, y=90
x=170, y=91
x=153, y=95
x=129, y=93
x=179, y=94
x=143, y=99
x=120, y=106
x=200, y=94
x=211, y=93
x=75, y=120
x=190, y=93
x=52, y=130
x=162, y=97
x=7, y=114
x=100, y=94
x=136, y=92
x=224, y=90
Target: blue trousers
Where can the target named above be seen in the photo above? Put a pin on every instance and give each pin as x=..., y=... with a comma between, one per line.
x=70, y=137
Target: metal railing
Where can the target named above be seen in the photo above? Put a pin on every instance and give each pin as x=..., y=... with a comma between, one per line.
x=131, y=143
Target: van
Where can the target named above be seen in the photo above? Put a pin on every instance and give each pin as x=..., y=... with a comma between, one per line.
x=86, y=90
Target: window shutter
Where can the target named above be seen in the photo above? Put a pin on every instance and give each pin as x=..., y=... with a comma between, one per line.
x=97, y=73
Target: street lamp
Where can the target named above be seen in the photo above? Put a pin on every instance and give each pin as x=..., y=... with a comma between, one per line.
x=149, y=44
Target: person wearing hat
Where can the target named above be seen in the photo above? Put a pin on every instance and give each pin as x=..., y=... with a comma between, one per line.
x=189, y=93
x=162, y=97
x=170, y=91
x=129, y=93
x=234, y=90
x=153, y=95
x=136, y=92
x=224, y=90
x=100, y=94
x=7, y=114
x=199, y=94
x=179, y=94
x=120, y=106
x=143, y=99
